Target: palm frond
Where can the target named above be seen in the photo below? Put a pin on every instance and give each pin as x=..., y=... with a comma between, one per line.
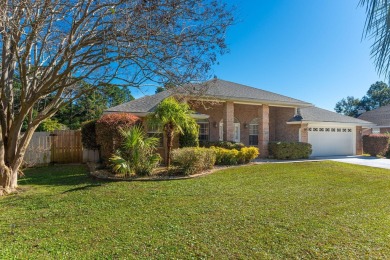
x=377, y=28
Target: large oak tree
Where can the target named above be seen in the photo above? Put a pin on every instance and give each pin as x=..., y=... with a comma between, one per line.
x=51, y=46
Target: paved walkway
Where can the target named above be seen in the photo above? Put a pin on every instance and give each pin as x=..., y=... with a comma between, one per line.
x=360, y=160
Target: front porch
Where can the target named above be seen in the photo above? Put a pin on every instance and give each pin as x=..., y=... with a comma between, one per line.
x=250, y=124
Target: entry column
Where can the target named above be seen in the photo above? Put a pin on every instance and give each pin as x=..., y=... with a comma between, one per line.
x=263, y=130
x=228, y=121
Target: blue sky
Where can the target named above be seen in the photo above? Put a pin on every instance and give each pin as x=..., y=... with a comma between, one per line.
x=307, y=49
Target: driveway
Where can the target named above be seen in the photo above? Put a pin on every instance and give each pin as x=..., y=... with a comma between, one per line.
x=361, y=160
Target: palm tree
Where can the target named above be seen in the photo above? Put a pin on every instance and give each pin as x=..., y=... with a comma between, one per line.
x=173, y=117
x=377, y=27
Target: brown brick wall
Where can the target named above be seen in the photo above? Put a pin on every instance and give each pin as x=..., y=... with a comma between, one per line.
x=283, y=131
x=304, y=133
x=359, y=140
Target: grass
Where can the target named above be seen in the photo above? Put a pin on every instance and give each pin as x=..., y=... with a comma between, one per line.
x=303, y=210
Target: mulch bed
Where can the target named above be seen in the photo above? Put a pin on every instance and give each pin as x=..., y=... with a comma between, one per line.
x=160, y=174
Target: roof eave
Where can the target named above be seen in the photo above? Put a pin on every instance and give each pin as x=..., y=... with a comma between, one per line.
x=330, y=122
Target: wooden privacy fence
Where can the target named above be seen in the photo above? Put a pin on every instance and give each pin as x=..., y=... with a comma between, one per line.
x=66, y=147
x=63, y=146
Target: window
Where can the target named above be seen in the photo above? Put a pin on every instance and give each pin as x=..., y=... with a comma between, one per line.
x=254, y=132
x=155, y=131
x=376, y=130
x=204, y=130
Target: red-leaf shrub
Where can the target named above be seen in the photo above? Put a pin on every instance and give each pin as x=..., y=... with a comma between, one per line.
x=376, y=144
x=108, y=136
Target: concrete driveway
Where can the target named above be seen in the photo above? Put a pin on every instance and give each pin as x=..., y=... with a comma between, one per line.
x=360, y=160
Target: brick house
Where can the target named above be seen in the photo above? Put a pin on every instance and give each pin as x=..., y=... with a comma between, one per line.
x=228, y=111
x=380, y=117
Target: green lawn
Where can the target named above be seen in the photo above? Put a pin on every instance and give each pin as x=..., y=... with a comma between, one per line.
x=302, y=210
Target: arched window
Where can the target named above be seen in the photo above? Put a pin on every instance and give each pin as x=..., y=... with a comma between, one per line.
x=204, y=130
x=254, y=132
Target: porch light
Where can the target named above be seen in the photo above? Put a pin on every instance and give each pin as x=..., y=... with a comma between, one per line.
x=215, y=124
x=245, y=125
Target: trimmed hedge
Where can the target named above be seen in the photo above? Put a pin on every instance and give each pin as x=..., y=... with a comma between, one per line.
x=108, y=135
x=376, y=144
x=289, y=150
x=233, y=156
x=88, y=135
x=192, y=160
x=224, y=144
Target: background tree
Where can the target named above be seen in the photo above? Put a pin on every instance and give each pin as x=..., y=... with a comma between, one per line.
x=173, y=117
x=377, y=95
x=52, y=47
x=91, y=106
x=348, y=106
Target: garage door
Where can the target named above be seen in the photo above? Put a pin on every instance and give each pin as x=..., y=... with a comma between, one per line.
x=331, y=140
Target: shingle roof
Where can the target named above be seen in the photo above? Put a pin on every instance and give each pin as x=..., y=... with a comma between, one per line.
x=216, y=88
x=229, y=90
x=379, y=116
x=315, y=114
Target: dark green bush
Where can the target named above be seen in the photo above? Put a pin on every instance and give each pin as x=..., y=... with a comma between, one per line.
x=289, y=150
x=376, y=144
x=224, y=144
x=88, y=135
x=188, y=139
x=192, y=160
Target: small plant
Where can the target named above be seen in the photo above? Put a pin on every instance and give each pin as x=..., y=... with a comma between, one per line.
x=191, y=160
x=137, y=153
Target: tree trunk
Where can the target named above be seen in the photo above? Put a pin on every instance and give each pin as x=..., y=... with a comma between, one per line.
x=169, y=144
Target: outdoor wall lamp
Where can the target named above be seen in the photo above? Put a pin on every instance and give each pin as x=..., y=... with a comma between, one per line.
x=245, y=125
x=215, y=124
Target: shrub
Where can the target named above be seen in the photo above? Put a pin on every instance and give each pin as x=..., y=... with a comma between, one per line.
x=137, y=153
x=224, y=144
x=88, y=135
x=247, y=154
x=289, y=150
x=189, y=139
x=108, y=135
x=193, y=160
x=376, y=144
x=225, y=156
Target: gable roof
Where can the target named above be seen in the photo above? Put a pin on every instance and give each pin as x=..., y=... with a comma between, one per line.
x=316, y=114
x=216, y=89
x=379, y=116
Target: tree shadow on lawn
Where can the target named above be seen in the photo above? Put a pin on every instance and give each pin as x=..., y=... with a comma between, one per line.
x=59, y=175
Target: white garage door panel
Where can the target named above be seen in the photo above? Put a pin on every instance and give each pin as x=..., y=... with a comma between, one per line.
x=327, y=141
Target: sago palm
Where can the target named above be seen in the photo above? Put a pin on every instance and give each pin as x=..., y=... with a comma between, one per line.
x=136, y=154
x=173, y=117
